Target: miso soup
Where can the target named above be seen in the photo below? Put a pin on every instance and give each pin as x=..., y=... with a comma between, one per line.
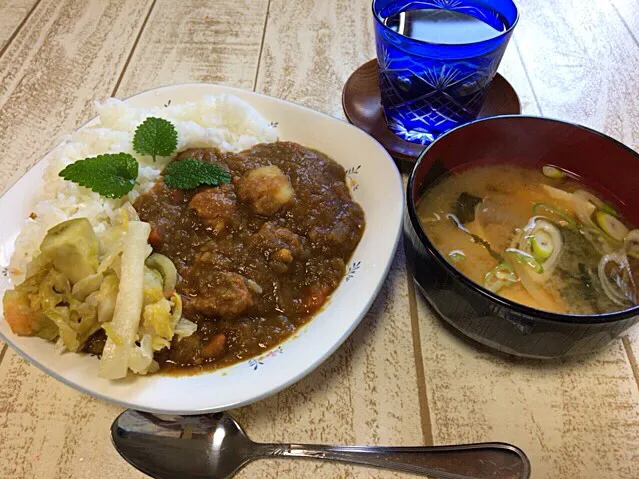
x=539, y=238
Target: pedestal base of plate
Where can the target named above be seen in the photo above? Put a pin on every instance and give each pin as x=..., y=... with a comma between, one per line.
x=362, y=105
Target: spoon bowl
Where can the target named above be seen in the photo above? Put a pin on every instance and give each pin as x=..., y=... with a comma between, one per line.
x=167, y=447
x=215, y=446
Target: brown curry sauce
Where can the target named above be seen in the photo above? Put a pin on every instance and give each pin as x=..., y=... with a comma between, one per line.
x=257, y=257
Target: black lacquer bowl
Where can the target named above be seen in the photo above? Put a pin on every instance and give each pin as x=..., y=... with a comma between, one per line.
x=604, y=164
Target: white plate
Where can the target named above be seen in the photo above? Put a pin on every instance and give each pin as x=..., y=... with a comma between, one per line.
x=377, y=187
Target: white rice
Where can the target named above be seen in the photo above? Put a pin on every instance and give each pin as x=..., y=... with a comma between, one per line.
x=223, y=121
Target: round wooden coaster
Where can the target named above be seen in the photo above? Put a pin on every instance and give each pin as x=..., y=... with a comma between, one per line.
x=363, y=108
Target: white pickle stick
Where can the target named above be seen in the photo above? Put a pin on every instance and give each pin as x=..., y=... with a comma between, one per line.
x=128, y=304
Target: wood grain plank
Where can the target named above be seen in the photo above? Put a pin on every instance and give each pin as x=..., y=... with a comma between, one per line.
x=311, y=48
x=582, y=64
x=48, y=430
x=627, y=10
x=68, y=54
x=424, y=406
x=195, y=41
x=12, y=14
x=512, y=68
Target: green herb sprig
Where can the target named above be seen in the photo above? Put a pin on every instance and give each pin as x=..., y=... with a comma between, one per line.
x=111, y=175
x=155, y=137
x=190, y=173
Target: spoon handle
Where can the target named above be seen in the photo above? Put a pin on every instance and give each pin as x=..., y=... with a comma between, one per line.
x=473, y=461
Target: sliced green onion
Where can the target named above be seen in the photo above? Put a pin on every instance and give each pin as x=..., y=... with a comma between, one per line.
x=525, y=259
x=550, y=212
x=505, y=272
x=500, y=276
x=611, y=225
x=541, y=244
x=456, y=256
x=542, y=240
x=582, y=196
x=552, y=172
x=605, y=207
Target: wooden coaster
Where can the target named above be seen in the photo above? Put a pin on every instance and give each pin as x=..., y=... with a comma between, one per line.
x=362, y=106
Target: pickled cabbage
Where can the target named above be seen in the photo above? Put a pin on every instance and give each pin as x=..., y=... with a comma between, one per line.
x=128, y=304
x=135, y=303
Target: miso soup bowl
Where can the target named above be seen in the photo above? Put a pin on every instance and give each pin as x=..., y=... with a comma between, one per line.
x=602, y=163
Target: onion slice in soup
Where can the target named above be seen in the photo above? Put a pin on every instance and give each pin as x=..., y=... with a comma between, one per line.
x=616, y=278
x=543, y=298
x=631, y=244
x=542, y=240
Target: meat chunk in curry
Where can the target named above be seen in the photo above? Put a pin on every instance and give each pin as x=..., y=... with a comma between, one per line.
x=256, y=257
x=215, y=206
x=220, y=294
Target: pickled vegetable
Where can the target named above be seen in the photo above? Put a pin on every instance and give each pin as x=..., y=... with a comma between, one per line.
x=73, y=248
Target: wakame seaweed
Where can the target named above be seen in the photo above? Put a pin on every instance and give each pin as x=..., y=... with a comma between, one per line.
x=464, y=207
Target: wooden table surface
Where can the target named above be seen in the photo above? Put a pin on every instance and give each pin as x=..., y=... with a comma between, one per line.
x=402, y=378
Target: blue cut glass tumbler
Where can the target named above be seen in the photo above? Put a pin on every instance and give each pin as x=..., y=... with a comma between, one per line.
x=436, y=60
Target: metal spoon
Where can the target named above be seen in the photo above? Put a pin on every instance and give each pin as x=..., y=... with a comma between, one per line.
x=214, y=446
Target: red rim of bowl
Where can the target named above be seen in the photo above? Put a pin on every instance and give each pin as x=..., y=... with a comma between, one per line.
x=530, y=311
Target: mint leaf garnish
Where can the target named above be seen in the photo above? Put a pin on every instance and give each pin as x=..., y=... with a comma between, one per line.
x=155, y=137
x=112, y=175
x=191, y=173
